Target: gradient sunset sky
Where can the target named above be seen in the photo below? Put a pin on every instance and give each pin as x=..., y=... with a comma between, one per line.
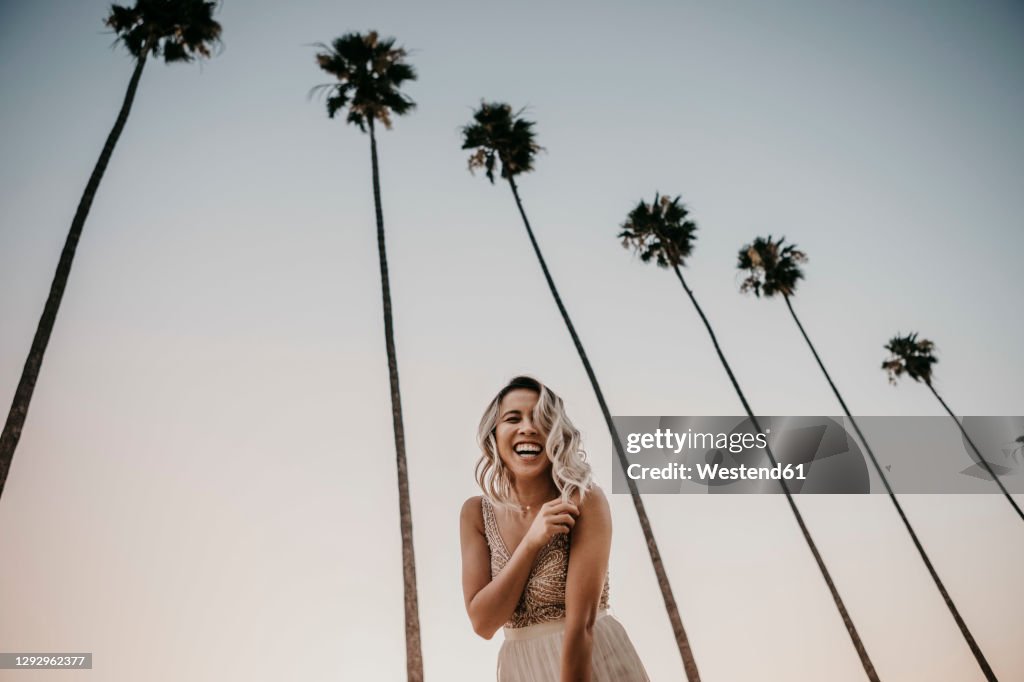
x=205, y=488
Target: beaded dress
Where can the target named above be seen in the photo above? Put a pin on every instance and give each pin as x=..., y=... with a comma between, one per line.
x=532, y=651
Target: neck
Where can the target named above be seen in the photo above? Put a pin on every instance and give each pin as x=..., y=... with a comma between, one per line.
x=532, y=494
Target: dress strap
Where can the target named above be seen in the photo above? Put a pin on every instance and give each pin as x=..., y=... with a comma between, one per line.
x=491, y=532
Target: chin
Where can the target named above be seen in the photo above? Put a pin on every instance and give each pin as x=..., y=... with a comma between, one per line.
x=529, y=469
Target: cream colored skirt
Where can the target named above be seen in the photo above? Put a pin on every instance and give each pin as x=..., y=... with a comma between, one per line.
x=534, y=653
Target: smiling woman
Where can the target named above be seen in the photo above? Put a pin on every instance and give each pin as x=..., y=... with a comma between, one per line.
x=535, y=546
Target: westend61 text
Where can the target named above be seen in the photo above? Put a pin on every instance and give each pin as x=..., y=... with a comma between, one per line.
x=668, y=439
x=717, y=472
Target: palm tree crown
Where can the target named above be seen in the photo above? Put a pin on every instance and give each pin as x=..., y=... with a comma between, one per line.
x=497, y=134
x=911, y=357
x=660, y=230
x=772, y=268
x=178, y=30
x=370, y=70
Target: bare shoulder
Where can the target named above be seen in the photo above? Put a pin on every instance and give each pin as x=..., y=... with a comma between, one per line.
x=472, y=513
x=594, y=505
x=593, y=527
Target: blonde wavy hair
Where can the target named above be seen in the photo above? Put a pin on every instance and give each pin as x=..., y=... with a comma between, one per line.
x=564, y=446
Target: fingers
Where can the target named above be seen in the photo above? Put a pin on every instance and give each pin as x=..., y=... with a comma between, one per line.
x=557, y=517
x=562, y=520
x=558, y=524
x=558, y=507
x=552, y=529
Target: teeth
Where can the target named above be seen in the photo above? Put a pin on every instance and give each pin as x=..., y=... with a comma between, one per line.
x=528, y=449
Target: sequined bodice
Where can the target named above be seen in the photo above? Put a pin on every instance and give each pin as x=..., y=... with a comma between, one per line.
x=543, y=598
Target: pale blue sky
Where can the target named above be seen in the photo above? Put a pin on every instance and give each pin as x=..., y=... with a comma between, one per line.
x=209, y=443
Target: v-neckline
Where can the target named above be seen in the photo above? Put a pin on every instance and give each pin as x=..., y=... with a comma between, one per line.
x=497, y=531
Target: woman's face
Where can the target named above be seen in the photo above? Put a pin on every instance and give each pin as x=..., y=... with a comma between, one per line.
x=520, y=440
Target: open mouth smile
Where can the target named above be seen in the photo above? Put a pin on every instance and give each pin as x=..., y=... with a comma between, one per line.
x=528, y=450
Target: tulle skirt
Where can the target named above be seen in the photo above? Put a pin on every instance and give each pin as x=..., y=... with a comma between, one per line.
x=534, y=653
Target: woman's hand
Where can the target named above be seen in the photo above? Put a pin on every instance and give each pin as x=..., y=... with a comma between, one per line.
x=554, y=518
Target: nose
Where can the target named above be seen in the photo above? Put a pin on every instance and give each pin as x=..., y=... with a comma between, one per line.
x=526, y=426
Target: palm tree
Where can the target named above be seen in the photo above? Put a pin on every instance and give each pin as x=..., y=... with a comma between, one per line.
x=662, y=231
x=915, y=359
x=370, y=70
x=178, y=31
x=497, y=135
x=773, y=267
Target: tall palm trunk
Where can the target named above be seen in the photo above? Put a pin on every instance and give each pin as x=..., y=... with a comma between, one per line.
x=975, y=649
x=689, y=663
x=30, y=373
x=413, y=651
x=981, y=459
x=869, y=668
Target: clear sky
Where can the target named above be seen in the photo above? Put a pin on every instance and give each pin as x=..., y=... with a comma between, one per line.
x=205, y=488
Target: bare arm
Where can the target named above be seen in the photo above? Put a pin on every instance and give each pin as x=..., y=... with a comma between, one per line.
x=588, y=568
x=490, y=603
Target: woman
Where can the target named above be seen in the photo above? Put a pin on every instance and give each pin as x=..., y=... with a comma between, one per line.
x=535, y=547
